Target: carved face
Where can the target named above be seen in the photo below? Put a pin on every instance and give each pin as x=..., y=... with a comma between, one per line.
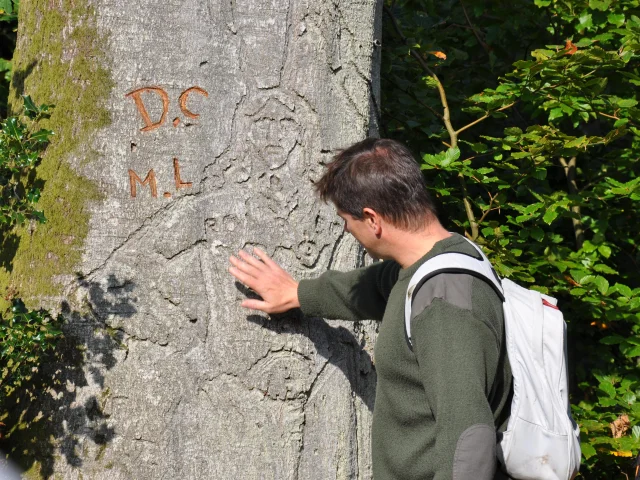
x=274, y=132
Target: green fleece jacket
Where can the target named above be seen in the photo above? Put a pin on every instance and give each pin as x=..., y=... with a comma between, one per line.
x=438, y=405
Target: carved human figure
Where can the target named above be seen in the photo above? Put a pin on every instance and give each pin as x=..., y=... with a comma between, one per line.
x=274, y=133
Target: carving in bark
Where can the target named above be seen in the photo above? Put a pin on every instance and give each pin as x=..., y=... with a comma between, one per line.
x=172, y=379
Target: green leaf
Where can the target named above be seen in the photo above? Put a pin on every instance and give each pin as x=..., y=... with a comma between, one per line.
x=602, y=284
x=577, y=142
x=606, y=402
x=12, y=128
x=442, y=159
x=41, y=135
x=635, y=431
x=540, y=173
x=585, y=20
x=578, y=275
x=430, y=82
x=608, y=388
x=632, y=352
x=616, y=19
x=555, y=113
x=629, y=398
x=624, y=290
x=30, y=108
x=612, y=340
x=479, y=147
x=6, y=6
x=451, y=155
x=550, y=216
x=537, y=233
x=627, y=103
x=601, y=5
x=588, y=247
x=605, y=251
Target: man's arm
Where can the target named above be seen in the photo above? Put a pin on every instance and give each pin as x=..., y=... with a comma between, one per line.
x=458, y=356
x=356, y=295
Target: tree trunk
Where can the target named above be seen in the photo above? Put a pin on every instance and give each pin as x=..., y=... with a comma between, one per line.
x=184, y=132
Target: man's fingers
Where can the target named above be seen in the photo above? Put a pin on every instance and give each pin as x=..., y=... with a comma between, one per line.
x=248, y=280
x=244, y=267
x=256, y=305
x=251, y=260
x=266, y=258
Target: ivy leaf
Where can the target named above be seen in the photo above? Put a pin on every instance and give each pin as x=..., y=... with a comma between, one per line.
x=30, y=108
x=13, y=129
x=41, y=135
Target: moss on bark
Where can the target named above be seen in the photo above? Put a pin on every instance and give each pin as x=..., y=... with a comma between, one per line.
x=59, y=60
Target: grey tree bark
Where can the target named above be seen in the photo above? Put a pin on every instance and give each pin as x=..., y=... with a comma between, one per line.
x=222, y=114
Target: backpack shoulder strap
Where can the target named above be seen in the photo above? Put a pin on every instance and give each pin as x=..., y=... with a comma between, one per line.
x=449, y=263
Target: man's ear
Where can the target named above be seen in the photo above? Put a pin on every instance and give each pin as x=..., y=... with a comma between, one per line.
x=373, y=220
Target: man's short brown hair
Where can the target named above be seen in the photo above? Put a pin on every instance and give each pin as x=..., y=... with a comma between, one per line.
x=380, y=174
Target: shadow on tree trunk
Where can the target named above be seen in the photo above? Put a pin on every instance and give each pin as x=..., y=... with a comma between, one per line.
x=50, y=416
x=337, y=344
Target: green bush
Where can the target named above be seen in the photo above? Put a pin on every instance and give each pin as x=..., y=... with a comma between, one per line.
x=529, y=134
x=26, y=337
x=20, y=150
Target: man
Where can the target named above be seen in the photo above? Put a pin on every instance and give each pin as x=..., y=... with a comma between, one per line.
x=440, y=400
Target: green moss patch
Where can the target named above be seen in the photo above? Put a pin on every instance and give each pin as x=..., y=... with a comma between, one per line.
x=59, y=60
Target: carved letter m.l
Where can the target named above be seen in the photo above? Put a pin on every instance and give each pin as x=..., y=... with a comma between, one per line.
x=150, y=180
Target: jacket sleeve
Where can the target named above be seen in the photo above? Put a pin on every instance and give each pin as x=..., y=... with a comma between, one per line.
x=458, y=355
x=356, y=295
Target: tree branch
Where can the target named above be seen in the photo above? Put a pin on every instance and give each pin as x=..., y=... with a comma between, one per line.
x=485, y=117
x=489, y=209
x=475, y=31
x=446, y=118
x=570, y=173
x=428, y=107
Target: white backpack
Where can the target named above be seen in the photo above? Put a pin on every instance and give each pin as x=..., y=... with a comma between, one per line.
x=541, y=442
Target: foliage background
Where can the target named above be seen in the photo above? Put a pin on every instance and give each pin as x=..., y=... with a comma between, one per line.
x=524, y=114
x=8, y=26
x=525, y=117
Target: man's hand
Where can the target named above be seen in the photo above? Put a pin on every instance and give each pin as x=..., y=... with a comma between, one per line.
x=279, y=291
